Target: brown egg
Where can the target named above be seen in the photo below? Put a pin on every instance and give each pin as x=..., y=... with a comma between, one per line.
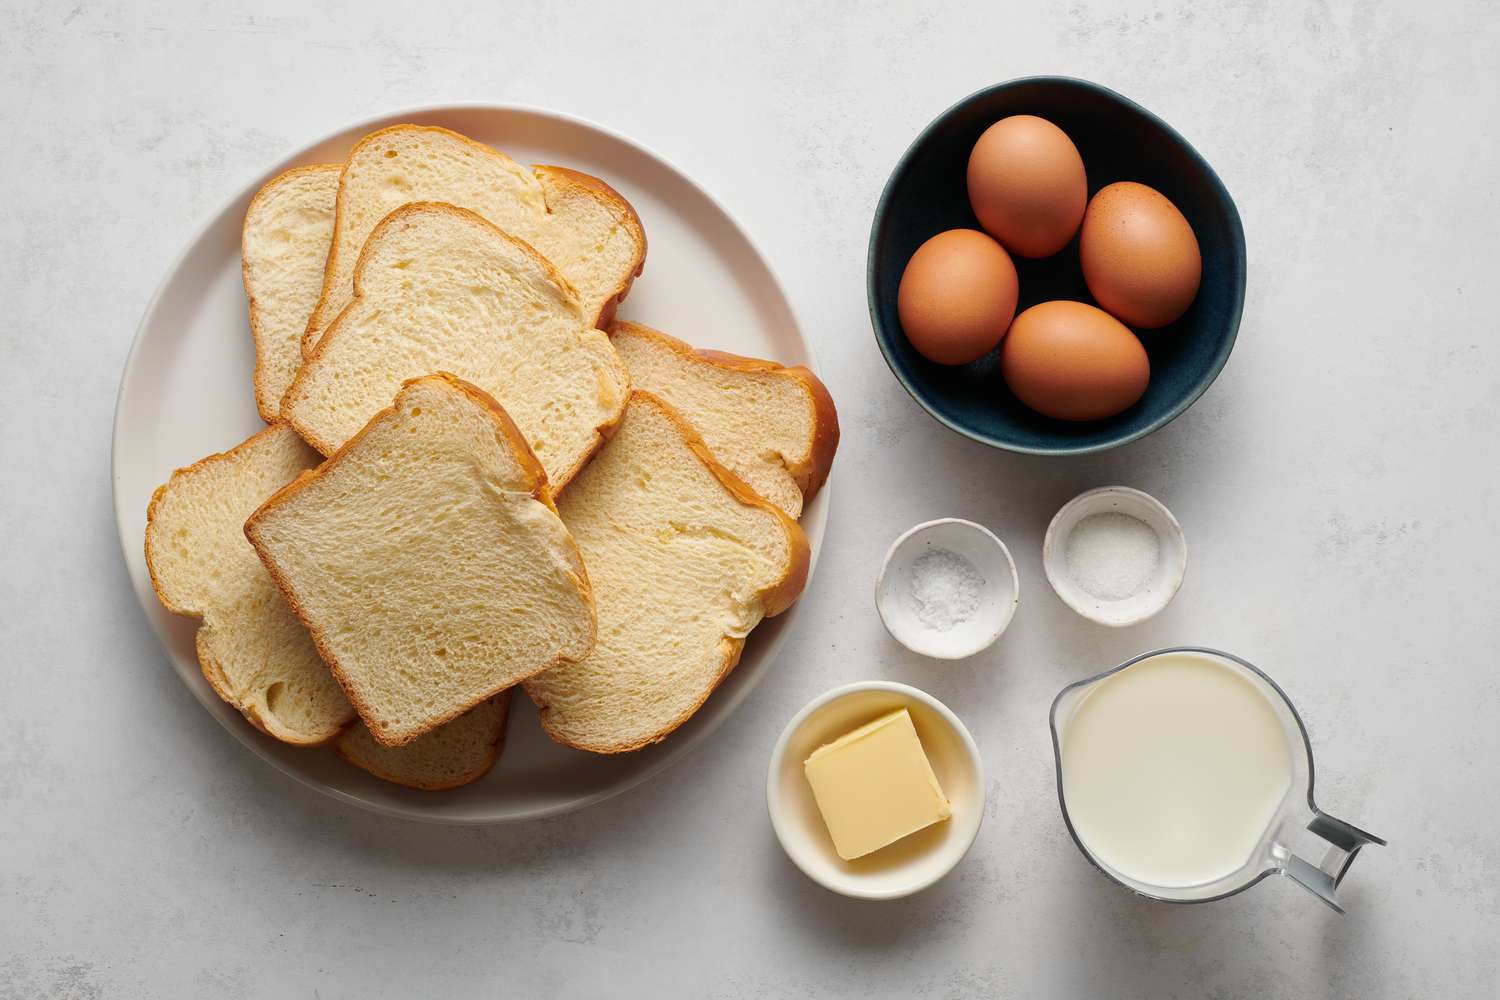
x=957, y=296
x=1071, y=361
x=1027, y=185
x=1139, y=255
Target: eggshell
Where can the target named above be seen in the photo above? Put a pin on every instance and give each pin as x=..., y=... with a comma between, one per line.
x=1027, y=185
x=1071, y=361
x=1140, y=257
x=957, y=296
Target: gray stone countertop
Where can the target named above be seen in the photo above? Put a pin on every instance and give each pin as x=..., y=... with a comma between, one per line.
x=1338, y=486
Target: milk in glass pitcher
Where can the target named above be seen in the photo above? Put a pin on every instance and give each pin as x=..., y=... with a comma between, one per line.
x=1186, y=775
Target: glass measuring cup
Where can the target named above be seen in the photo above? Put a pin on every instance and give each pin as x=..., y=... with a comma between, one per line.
x=1297, y=829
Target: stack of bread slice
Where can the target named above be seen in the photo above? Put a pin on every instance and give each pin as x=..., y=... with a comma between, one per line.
x=473, y=480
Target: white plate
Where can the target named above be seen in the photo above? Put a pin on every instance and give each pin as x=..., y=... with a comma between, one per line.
x=186, y=393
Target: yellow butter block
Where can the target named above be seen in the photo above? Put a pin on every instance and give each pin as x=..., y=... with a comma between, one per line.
x=875, y=786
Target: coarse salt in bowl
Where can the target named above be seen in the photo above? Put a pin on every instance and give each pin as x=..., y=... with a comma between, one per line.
x=1115, y=555
x=947, y=589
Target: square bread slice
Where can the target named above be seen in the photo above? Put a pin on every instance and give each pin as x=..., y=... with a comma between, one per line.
x=253, y=650
x=427, y=560
x=440, y=289
x=453, y=754
x=576, y=221
x=684, y=560
x=774, y=427
x=284, y=246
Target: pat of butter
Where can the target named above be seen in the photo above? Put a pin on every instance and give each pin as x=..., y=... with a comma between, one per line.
x=875, y=786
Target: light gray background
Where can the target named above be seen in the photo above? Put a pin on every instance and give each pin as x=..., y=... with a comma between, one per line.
x=1337, y=486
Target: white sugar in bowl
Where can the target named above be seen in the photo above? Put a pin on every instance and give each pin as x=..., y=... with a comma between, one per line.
x=947, y=589
x=1115, y=555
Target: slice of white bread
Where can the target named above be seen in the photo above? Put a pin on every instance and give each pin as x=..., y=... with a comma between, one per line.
x=427, y=560
x=440, y=289
x=284, y=246
x=253, y=650
x=578, y=222
x=772, y=426
x=684, y=560
x=453, y=754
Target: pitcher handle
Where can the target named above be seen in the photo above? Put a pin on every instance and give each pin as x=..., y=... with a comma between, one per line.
x=1345, y=841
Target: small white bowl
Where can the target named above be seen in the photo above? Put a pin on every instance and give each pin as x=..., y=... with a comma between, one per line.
x=911, y=864
x=998, y=596
x=1147, y=601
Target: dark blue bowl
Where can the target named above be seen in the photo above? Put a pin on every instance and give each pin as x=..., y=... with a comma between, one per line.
x=1119, y=141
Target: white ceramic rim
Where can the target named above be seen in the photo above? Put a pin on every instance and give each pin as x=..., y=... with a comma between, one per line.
x=1051, y=549
x=126, y=521
x=1006, y=614
x=778, y=754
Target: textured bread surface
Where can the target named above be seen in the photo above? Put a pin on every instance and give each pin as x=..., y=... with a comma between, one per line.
x=253, y=650
x=578, y=222
x=440, y=289
x=774, y=427
x=284, y=246
x=684, y=560
x=427, y=560
x=455, y=753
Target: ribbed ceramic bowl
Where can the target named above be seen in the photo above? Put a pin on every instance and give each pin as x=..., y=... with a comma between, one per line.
x=1119, y=140
x=910, y=864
